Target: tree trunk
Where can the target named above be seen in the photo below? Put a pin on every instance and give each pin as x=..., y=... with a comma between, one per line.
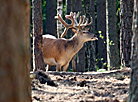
x=14, y=51
x=68, y=10
x=101, y=29
x=89, y=9
x=126, y=12
x=112, y=36
x=51, y=27
x=133, y=89
x=38, y=61
x=74, y=59
x=59, y=11
x=81, y=53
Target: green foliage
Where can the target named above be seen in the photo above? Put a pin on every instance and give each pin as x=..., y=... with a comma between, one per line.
x=97, y=67
x=101, y=36
x=64, y=10
x=103, y=63
x=86, y=69
x=44, y=9
x=118, y=15
x=111, y=43
x=71, y=70
x=101, y=70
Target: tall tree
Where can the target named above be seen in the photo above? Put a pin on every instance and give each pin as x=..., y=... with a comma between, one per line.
x=81, y=54
x=68, y=10
x=74, y=59
x=38, y=61
x=133, y=89
x=89, y=9
x=101, y=28
x=51, y=27
x=14, y=51
x=126, y=13
x=111, y=34
x=59, y=11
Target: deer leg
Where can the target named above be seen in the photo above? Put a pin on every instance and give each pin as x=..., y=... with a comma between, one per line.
x=48, y=67
x=74, y=63
x=65, y=67
x=58, y=67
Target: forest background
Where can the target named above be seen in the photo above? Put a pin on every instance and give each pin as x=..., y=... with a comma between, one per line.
x=14, y=46
x=112, y=25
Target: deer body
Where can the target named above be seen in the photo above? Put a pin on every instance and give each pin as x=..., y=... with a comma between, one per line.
x=60, y=51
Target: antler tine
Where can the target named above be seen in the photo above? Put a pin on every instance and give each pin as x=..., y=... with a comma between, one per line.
x=80, y=21
x=78, y=25
x=90, y=22
x=75, y=18
x=83, y=19
x=86, y=23
x=72, y=21
x=62, y=21
x=67, y=26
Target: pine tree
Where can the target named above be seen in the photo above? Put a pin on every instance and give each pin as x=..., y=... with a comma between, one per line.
x=14, y=51
x=38, y=61
x=126, y=13
x=133, y=89
x=51, y=12
x=101, y=29
x=111, y=35
x=89, y=9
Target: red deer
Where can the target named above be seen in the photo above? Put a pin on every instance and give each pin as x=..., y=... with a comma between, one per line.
x=59, y=51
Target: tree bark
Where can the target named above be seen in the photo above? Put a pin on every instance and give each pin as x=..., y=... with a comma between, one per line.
x=74, y=59
x=101, y=26
x=112, y=36
x=126, y=13
x=81, y=53
x=14, y=51
x=68, y=10
x=59, y=11
x=51, y=12
x=89, y=9
x=38, y=61
x=133, y=89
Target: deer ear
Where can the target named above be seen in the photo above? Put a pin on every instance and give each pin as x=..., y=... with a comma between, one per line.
x=74, y=30
x=87, y=29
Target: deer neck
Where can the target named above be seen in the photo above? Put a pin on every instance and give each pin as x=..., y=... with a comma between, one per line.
x=76, y=43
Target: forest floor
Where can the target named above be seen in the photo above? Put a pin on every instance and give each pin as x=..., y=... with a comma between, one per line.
x=86, y=87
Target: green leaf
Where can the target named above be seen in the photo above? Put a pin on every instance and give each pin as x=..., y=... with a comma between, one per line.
x=100, y=32
x=101, y=36
x=104, y=64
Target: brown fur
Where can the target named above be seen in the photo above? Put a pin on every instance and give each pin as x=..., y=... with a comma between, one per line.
x=60, y=51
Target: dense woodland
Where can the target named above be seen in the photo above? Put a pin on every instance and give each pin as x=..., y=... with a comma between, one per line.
x=115, y=22
x=112, y=23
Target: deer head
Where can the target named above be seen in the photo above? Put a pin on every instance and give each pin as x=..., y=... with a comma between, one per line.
x=84, y=33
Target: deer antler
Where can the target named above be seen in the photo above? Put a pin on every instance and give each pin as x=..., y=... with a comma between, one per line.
x=67, y=26
x=73, y=17
x=86, y=23
x=81, y=23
